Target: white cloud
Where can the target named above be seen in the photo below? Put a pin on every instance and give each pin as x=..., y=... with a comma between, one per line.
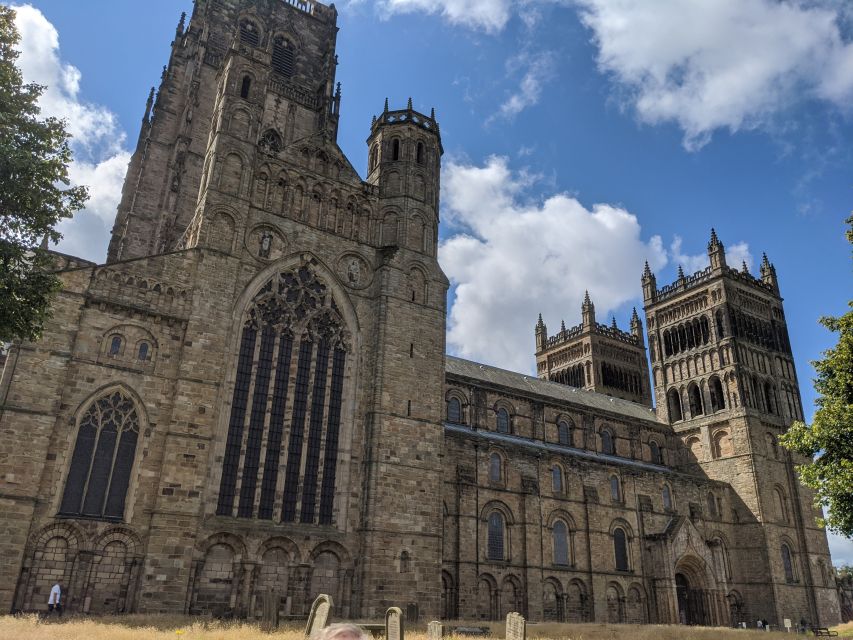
x=736, y=255
x=713, y=64
x=488, y=15
x=538, y=68
x=513, y=259
x=98, y=141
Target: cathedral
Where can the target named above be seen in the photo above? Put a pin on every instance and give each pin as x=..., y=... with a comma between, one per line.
x=250, y=400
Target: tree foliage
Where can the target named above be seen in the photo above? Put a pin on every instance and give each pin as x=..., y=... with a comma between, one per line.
x=34, y=194
x=830, y=436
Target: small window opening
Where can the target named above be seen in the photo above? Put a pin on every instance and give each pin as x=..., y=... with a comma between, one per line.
x=115, y=345
x=143, y=352
x=245, y=87
x=395, y=149
x=420, y=153
x=412, y=350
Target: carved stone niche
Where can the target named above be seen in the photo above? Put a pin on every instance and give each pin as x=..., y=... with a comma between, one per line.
x=265, y=243
x=354, y=271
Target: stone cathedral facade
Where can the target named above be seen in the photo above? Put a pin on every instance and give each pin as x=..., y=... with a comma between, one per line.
x=252, y=396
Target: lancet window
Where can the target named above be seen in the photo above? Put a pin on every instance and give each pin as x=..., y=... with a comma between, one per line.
x=287, y=404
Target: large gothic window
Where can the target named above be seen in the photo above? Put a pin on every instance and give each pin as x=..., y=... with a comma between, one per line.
x=103, y=457
x=287, y=402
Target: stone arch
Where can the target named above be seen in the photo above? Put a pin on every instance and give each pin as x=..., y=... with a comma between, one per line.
x=457, y=405
x=231, y=174
x=722, y=570
x=277, y=558
x=504, y=412
x=615, y=599
x=416, y=233
x=221, y=232
x=448, y=596
x=694, y=591
x=240, y=122
x=114, y=572
x=511, y=596
x=635, y=605
x=331, y=573
x=50, y=556
x=577, y=601
x=496, y=469
x=694, y=449
x=215, y=589
x=487, y=597
x=389, y=232
x=553, y=601
x=722, y=444
x=417, y=284
x=498, y=521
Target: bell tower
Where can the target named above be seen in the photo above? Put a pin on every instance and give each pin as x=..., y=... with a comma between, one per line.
x=724, y=378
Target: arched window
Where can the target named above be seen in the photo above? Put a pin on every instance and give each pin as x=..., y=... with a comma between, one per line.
x=142, y=354
x=405, y=562
x=291, y=369
x=283, y=57
x=115, y=345
x=721, y=332
x=674, y=402
x=557, y=479
x=503, y=421
x=666, y=494
x=420, y=153
x=718, y=399
x=564, y=433
x=496, y=536
x=769, y=398
x=249, y=34
x=695, y=396
x=495, y=467
x=454, y=411
x=374, y=157
x=654, y=451
x=103, y=457
x=561, y=543
x=620, y=549
x=271, y=141
x=615, y=489
x=245, y=87
x=787, y=563
x=395, y=149
x=607, y=442
x=712, y=504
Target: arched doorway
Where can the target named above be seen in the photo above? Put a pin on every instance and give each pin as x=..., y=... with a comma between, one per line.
x=692, y=605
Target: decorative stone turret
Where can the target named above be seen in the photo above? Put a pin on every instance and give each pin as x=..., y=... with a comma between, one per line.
x=716, y=252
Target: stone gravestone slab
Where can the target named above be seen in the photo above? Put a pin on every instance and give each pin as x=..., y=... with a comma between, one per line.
x=319, y=617
x=435, y=630
x=269, y=614
x=394, y=624
x=516, y=627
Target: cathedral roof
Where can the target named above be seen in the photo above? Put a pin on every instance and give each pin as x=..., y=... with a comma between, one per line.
x=552, y=390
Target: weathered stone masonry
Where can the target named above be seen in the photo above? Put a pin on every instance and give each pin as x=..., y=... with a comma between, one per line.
x=251, y=397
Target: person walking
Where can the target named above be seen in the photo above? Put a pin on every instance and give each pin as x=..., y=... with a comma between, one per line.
x=54, y=600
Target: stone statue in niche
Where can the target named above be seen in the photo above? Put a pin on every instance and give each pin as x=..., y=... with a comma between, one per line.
x=265, y=244
x=354, y=271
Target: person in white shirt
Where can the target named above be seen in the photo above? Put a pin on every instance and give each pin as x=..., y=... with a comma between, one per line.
x=54, y=600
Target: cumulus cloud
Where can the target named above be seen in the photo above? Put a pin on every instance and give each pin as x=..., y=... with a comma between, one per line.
x=513, y=258
x=736, y=255
x=488, y=15
x=721, y=64
x=100, y=159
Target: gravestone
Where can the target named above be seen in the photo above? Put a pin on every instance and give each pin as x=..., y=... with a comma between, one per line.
x=435, y=630
x=394, y=624
x=269, y=613
x=516, y=627
x=319, y=617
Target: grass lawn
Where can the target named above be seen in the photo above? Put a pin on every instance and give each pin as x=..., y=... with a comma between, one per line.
x=145, y=627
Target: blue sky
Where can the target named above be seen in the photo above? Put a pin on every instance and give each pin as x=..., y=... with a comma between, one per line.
x=581, y=137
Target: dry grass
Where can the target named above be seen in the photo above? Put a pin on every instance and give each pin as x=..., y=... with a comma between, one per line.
x=139, y=627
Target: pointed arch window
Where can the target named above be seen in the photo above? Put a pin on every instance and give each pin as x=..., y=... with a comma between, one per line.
x=102, y=461
x=496, y=536
x=560, y=535
x=283, y=57
x=787, y=563
x=288, y=394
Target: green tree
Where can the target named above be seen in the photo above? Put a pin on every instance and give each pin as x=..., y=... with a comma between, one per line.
x=829, y=439
x=34, y=195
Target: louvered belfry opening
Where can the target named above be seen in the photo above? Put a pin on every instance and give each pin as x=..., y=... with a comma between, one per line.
x=287, y=404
